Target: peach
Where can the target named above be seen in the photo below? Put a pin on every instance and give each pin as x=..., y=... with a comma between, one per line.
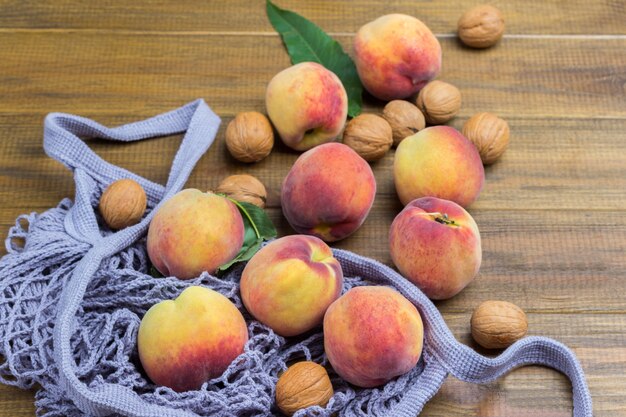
x=438, y=162
x=435, y=244
x=187, y=341
x=372, y=334
x=395, y=56
x=194, y=232
x=289, y=284
x=307, y=104
x=328, y=192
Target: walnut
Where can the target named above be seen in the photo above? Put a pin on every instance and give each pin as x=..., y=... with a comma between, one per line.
x=439, y=101
x=368, y=135
x=123, y=204
x=249, y=137
x=498, y=324
x=244, y=188
x=303, y=385
x=481, y=26
x=404, y=118
x=489, y=133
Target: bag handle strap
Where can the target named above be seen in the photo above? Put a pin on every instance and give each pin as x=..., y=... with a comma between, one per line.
x=467, y=365
x=460, y=360
x=422, y=390
x=61, y=141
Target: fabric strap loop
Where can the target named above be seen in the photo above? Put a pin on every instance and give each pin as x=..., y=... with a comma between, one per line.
x=62, y=142
x=463, y=362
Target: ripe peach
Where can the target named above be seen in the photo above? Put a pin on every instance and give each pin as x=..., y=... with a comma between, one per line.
x=184, y=342
x=395, y=56
x=289, y=284
x=194, y=232
x=328, y=192
x=372, y=334
x=439, y=162
x=307, y=105
x=435, y=244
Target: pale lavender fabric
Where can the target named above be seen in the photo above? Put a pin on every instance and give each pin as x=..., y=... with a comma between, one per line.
x=72, y=294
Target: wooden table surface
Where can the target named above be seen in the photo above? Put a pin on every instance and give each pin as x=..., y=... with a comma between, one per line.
x=552, y=214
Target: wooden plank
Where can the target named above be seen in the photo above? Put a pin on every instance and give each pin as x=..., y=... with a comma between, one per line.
x=529, y=17
x=557, y=164
x=549, y=262
x=15, y=402
x=553, y=211
x=147, y=73
x=526, y=392
x=582, y=332
x=545, y=253
x=599, y=345
x=569, y=267
x=598, y=342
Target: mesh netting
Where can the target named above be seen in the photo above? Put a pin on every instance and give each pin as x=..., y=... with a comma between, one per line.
x=104, y=343
x=72, y=294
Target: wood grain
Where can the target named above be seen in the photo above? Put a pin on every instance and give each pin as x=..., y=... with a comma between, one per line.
x=552, y=214
x=15, y=402
x=551, y=164
x=528, y=17
x=579, y=78
x=529, y=236
x=538, y=391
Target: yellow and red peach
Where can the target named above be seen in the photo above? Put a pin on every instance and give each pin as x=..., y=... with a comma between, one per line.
x=372, y=334
x=289, y=284
x=435, y=244
x=187, y=341
x=396, y=55
x=194, y=232
x=438, y=162
x=307, y=104
x=328, y=192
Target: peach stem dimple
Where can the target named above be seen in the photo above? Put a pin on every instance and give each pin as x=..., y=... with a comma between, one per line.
x=440, y=218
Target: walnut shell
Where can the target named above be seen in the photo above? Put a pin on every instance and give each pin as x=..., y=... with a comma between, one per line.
x=481, y=26
x=244, y=188
x=490, y=135
x=498, y=324
x=303, y=385
x=404, y=118
x=249, y=137
x=439, y=101
x=123, y=204
x=368, y=135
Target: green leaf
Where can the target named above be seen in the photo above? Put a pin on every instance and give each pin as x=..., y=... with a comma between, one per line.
x=247, y=252
x=307, y=42
x=154, y=272
x=258, y=227
x=264, y=227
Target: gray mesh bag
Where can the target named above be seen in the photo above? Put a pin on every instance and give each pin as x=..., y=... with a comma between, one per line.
x=72, y=295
